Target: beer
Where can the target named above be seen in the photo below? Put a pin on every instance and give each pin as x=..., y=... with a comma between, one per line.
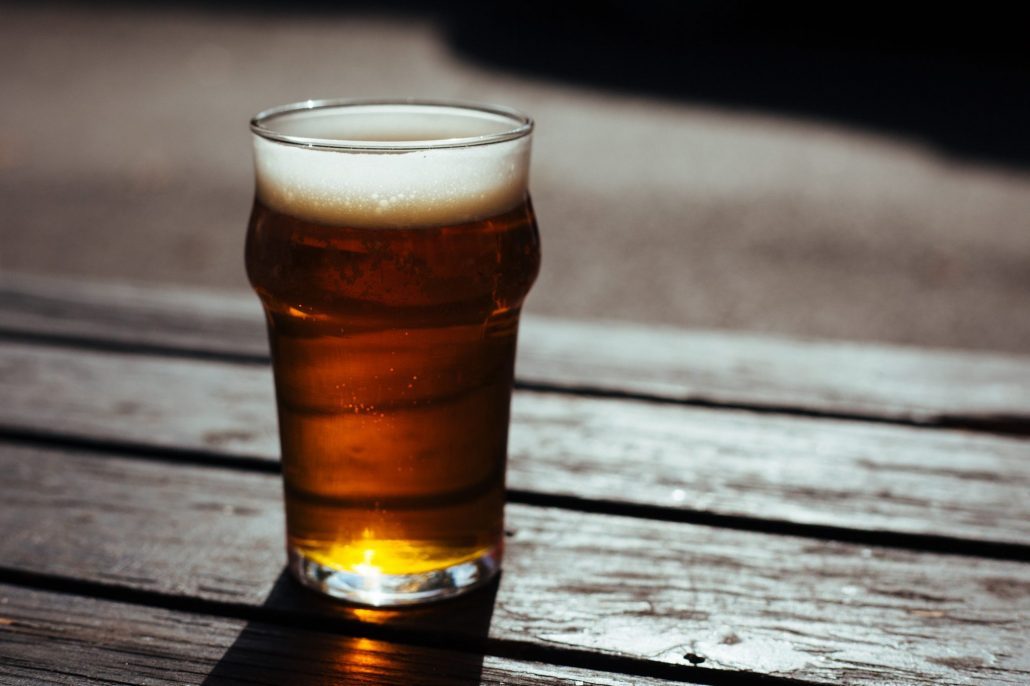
x=392, y=330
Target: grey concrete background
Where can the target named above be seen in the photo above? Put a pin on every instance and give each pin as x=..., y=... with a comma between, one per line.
x=124, y=155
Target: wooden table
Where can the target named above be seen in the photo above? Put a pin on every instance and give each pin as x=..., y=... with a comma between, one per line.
x=684, y=506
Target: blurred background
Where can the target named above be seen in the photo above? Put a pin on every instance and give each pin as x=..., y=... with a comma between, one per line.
x=816, y=170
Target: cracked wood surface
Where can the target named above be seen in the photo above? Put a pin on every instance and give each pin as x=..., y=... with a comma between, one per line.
x=793, y=469
x=61, y=638
x=183, y=525
x=620, y=587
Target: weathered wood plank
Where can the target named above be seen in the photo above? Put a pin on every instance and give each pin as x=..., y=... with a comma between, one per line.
x=615, y=586
x=61, y=638
x=792, y=469
x=880, y=381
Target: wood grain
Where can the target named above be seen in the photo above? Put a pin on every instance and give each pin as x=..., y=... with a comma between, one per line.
x=620, y=587
x=791, y=469
x=705, y=367
x=62, y=638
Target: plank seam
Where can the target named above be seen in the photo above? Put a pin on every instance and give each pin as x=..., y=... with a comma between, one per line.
x=1002, y=425
x=310, y=621
x=932, y=543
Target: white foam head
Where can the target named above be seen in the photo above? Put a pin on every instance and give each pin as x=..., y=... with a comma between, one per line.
x=391, y=165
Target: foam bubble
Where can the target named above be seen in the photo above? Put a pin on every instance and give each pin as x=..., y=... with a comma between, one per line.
x=434, y=186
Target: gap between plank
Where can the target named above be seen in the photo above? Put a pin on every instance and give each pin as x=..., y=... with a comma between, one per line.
x=997, y=425
x=504, y=648
x=934, y=543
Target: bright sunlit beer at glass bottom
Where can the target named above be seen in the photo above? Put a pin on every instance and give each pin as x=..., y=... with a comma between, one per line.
x=392, y=245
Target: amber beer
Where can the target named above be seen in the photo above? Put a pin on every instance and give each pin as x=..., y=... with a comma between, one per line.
x=392, y=245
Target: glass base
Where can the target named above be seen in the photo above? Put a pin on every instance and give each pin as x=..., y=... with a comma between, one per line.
x=388, y=590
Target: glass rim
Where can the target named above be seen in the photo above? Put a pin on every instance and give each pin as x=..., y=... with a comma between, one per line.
x=522, y=125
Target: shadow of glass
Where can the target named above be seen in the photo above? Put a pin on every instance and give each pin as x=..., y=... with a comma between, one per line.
x=308, y=639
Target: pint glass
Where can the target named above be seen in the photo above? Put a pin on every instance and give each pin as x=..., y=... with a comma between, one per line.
x=392, y=245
